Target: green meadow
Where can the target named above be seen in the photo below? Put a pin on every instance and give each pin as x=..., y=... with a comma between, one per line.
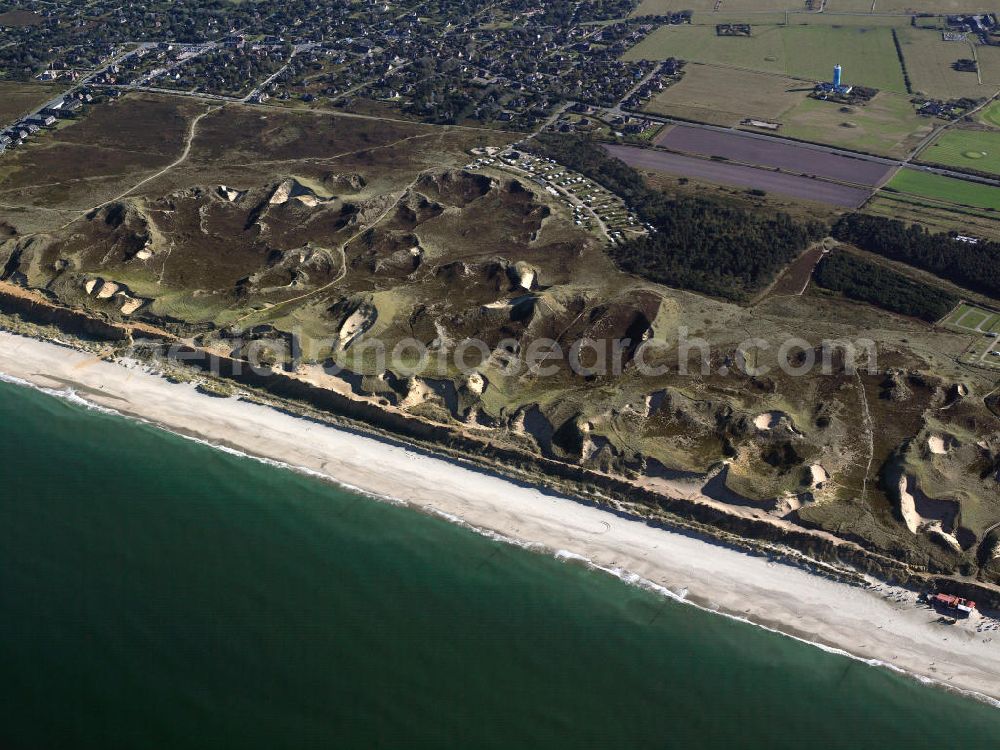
x=977, y=150
x=802, y=51
x=948, y=189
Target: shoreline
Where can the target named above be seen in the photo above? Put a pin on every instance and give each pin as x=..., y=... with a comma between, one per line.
x=882, y=625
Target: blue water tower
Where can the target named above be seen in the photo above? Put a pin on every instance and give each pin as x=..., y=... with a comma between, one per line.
x=836, y=76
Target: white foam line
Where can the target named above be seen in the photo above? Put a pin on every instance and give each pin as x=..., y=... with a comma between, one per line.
x=633, y=579
x=627, y=577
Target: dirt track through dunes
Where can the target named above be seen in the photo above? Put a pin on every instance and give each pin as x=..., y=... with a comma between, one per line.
x=188, y=141
x=793, y=186
x=748, y=149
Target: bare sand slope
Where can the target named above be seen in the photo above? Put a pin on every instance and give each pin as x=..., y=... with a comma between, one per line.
x=878, y=624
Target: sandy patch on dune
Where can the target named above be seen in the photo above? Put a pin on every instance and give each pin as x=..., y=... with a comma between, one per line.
x=130, y=304
x=282, y=193
x=820, y=476
x=108, y=289
x=357, y=323
x=763, y=422
x=908, y=505
x=916, y=522
x=768, y=420
x=935, y=530
x=936, y=445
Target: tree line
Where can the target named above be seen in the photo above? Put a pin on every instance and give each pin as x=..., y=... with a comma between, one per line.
x=862, y=280
x=703, y=244
x=974, y=266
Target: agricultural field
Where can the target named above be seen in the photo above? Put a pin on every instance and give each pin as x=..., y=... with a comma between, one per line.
x=990, y=115
x=704, y=7
x=945, y=189
x=937, y=6
x=857, y=17
x=683, y=186
x=796, y=9
x=754, y=150
x=722, y=96
x=887, y=125
x=848, y=6
x=989, y=66
x=18, y=99
x=977, y=150
x=808, y=52
x=929, y=61
x=752, y=178
x=936, y=216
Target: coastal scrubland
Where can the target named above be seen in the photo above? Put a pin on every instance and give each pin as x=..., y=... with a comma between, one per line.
x=302, y=237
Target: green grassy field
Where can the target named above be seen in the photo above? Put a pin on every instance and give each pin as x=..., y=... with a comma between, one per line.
x=887, y=125
x=937, y=6
x=936, y=216
x=723, y=96
x=974, y=319
x=808, y=52
x=922, y=208
x=658, y=7
x=929, y=61
x=947, y=189
x=967, y=149
x=984, y=326
x=991, y=115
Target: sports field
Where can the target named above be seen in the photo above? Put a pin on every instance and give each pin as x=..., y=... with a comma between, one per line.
x=974, y=319
x=984, y=325
x=946, y=189
x=808, y=52
x=967, y=149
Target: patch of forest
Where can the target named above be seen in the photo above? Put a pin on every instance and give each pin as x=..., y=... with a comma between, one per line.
x=862, y=280
x=703, y=244
x=974, y=266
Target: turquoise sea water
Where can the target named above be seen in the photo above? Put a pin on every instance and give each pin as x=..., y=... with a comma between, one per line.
x=157, y=593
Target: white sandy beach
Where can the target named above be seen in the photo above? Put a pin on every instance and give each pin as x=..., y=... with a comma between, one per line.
x=882, y=624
